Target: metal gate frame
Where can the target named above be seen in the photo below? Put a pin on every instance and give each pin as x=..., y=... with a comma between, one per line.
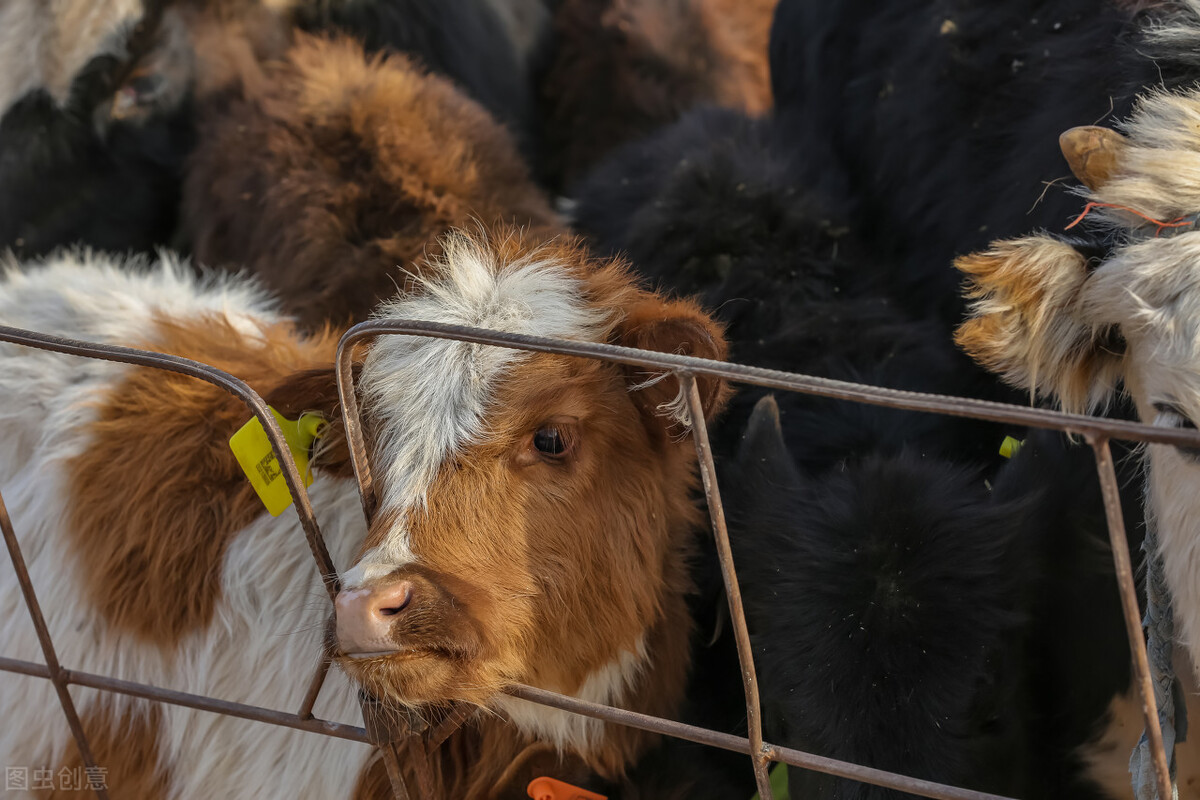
x=417, y=741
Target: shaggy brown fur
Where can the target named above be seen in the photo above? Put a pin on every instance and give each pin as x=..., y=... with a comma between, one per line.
x=335, y=175
x=623, y=68
x=157, y=499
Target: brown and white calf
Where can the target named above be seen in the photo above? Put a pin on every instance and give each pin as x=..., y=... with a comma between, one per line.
x=1072, y=322
x=534, y=521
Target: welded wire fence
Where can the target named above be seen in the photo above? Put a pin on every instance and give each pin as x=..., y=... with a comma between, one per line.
x=414, y=741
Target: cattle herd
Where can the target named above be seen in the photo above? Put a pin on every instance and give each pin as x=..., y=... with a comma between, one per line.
x=865, y=191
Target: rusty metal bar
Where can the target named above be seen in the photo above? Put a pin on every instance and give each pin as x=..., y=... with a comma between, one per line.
x=223, y=380
x=314, y=688
x=741, y=634
x=769, y=378
x=196, y=701
x=454, y=720
x=419, y=757
x=1129, y=608
x=384, y=731
x=352, y=421
x=391, y=763
x=740, y=744
x=54, y=670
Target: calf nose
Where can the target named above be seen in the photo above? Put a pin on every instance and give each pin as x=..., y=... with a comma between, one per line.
x=365, y=616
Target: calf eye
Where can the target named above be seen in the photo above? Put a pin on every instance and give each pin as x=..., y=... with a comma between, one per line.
x=1171, y=416
x=549, y=442
x=552, y=442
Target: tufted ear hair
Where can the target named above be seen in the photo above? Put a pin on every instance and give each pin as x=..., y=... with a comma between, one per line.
x=315, y=390
x=672, y=326
x=1027, y=325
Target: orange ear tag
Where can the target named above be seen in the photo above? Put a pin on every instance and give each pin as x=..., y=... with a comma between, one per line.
x=550, y=789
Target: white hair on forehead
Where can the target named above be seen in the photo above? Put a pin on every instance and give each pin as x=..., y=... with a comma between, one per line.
x=428, y=397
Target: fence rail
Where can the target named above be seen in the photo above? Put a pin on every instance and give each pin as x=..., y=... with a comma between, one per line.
x=418, y=741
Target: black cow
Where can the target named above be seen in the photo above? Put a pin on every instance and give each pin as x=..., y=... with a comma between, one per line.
x=903, y=580
x=943, y=116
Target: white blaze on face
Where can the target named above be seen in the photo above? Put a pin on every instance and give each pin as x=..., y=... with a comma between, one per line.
x=428, y=398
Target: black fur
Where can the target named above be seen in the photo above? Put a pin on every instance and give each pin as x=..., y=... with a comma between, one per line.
x=868, y=516
x=64, y=181
x=908, y=617
x=884, y=596
x=944, y=116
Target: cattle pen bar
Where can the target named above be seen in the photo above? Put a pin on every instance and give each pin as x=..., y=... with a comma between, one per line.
x=419, y=740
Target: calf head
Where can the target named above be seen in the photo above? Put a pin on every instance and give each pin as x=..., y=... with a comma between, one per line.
x=1056, y=318
x=533, y=509
x=1067, y=320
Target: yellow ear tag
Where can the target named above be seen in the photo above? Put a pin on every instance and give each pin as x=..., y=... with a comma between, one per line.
x=1010, y=446
x=253, y=451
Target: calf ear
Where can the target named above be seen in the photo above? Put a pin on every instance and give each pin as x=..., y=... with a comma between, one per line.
x=1026, y=323
x=680, y=327
x=315, y=391
x=763, y=450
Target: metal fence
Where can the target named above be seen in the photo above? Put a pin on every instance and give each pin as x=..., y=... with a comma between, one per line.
x=415, y=741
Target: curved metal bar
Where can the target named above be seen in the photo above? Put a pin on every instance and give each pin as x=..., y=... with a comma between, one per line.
x=1097, y=430
x=256, y=405
x=352, y=420
x=223, y=380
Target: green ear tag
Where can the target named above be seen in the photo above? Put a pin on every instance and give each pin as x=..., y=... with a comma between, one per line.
x=1010, y=446
x=253, y=451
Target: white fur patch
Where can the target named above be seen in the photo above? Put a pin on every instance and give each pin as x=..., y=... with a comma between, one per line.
x=608, y=685
x=266, y=636
x=430, y=397
x=93, y=297
x=1152, y=290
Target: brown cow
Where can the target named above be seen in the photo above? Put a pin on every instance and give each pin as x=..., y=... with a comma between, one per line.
x=535, y=515
x=330, y=175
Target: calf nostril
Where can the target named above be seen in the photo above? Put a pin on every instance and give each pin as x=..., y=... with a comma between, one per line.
x=394, y=600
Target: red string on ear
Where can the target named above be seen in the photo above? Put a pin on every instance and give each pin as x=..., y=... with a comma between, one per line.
x=1178, y=222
